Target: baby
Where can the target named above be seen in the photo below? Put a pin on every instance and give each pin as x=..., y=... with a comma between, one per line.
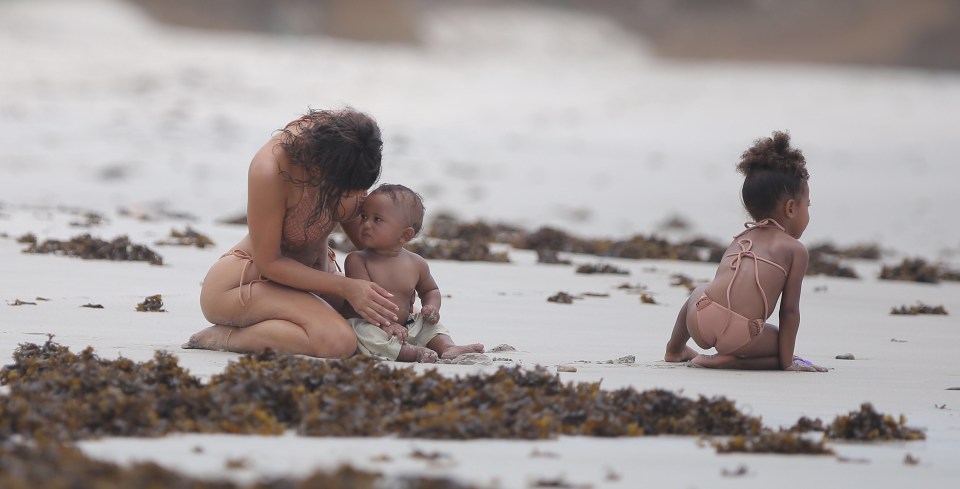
x=762, y=264
x=390, y=217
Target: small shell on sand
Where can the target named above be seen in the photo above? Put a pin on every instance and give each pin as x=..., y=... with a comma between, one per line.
x=845, y=356
x=566, y=368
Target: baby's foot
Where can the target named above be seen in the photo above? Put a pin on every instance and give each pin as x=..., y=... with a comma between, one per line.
x=426, y=355
x=212, y=338
x=687, y=354
x=456, y=351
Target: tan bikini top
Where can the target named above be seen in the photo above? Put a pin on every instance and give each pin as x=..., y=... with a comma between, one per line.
x=746, y=251
x=296, y=234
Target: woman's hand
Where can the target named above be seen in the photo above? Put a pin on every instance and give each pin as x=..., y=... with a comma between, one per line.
x=371, y=301
x=394, y=329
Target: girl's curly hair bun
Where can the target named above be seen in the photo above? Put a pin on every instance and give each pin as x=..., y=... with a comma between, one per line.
x=774, y=154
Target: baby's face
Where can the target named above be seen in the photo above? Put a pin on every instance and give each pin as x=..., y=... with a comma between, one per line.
x=381, y=222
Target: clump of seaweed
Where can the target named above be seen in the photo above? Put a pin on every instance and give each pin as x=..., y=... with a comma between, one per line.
x=601, y=268
x=681, y=280
x=550, y=257
x=54, y=394
x=561, y=297
x=919, y=308
x=860, y=251
x=823, y=264
x=446, y=226
x=916, y=270
x=88, y=219
x=153, y=303
x=806, y=425
x=28, y=238
x=869, y=425
x=785, y=442
x=90, y=248
x=187, y=237
x=51, y=465
x=457, y=249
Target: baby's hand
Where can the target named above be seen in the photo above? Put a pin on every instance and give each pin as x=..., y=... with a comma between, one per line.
x=431, y=314
x=394, y=329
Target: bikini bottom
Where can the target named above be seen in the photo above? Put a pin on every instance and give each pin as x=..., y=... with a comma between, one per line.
x=248, y=259
x=724, y=329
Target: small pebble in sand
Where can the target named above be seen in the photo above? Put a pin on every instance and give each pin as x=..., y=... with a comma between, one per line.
x=910, y=460
x=647, y=298
x=845, y=356
x=566, y=368
x=502, y=347
x=561, y=298
x=626, y=359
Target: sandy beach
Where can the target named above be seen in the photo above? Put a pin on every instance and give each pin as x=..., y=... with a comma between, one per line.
x=558, y=119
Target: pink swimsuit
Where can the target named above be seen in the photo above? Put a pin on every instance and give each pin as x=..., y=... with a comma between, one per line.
x=295, y=235
x=720, y=326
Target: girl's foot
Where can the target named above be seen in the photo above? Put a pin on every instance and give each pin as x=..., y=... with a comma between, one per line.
x=212, y=338
x=456, y=351
x=683, y=356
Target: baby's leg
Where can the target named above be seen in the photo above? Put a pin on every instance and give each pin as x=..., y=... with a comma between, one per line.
x=677, y=349
x=447, y=349
x=419, y=354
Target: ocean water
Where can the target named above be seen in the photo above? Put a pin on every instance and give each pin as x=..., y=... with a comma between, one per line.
x=529, y=116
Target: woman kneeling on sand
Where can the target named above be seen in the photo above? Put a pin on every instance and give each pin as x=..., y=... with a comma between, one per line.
x=280, y=286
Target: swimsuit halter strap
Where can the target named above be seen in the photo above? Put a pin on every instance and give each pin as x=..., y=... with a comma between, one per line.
x=763, y=223
x=746, y=251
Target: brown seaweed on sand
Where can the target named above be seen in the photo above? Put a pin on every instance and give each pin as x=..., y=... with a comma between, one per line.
x=917, y=270
x=869, y=425
x=457, y=249
x=153, y=303
x=785, y=442
x=50, y=465
x=561, y=298
x=601, y=268
x=445, y=226
x=55, y=394
x=187, y=237
x=90, y=248
x=919, y=308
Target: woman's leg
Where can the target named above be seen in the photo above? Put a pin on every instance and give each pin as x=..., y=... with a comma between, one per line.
x=268, y=316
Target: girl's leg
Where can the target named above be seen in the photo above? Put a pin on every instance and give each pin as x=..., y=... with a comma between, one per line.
x=677, y=349
x=762, y=353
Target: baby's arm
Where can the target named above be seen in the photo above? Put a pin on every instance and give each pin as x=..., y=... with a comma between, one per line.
x=429, y=293
x=790, y=305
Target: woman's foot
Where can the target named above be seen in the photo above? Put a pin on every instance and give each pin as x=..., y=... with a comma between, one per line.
x=713, y=361
x=456, y=351
x=685, y=355
x=214, y=338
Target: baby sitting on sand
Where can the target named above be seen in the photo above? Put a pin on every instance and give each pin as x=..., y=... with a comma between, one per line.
x=391, y=216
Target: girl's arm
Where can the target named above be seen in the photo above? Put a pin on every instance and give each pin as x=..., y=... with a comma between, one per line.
x=266, y=207
x=790, y=305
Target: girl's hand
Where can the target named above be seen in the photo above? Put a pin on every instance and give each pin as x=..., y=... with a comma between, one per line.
x=431, y=314
x=371, y=302
x=801, y=365
x=394, y=329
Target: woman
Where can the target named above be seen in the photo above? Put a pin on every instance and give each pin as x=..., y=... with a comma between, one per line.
x=279, y=287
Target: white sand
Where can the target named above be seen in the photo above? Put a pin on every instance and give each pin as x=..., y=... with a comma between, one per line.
x=561, y=121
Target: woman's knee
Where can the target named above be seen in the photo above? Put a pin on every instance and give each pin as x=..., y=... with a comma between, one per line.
x=335, y=340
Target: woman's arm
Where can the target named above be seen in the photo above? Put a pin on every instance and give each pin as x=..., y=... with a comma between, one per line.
x=790, y=305
x=266, y=208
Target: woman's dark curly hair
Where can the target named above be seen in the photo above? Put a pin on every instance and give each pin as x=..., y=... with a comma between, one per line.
x=773, y=170
x=339, y=151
